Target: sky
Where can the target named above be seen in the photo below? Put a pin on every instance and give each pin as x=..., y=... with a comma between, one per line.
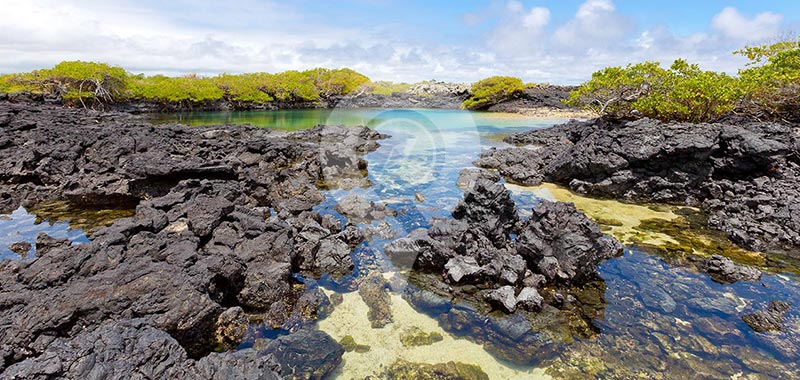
x=552, y=41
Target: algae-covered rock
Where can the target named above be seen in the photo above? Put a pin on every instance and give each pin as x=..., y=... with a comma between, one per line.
x=415, y=337
x=373, y=292
x=349, y=344
x=402, y=370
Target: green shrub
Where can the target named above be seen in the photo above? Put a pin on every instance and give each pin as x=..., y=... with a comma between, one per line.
x=490, y=91
x=190, y=88
x=613, y=90
x=246, y=88
x=386, y=88
x=683, y=92
x=772, y=79
x=337, y=82
x=74, y=81
x=686, y=93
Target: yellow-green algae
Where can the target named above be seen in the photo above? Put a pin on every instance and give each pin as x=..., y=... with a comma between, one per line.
x=350, y=318
x=78, y=218
x=678, y=232
x=403, y=370
x=415, y=337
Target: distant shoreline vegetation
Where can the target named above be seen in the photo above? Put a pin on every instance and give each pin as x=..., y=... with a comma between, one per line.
x=768, y=87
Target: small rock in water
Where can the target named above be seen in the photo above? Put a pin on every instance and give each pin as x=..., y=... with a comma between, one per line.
x=349, y=344
x=771, y=319
x=503, y=298
x=21, y=248
x=529, y=299
x=724, y=270
x=419, y=197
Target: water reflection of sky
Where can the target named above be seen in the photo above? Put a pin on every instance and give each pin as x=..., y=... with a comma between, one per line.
x=21, y=226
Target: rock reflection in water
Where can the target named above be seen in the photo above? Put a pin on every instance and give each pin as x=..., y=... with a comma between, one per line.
x=60, y=220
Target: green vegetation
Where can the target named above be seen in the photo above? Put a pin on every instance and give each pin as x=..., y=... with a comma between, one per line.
x=768, y=86
x=772, y=79
x=387, y=88
x=89, y=83
x=490, y=91
x=681, y=93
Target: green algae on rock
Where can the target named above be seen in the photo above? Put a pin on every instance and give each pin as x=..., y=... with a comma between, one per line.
x=403, y=370
x=78, y=218
x=350, y=345
x=415, y=337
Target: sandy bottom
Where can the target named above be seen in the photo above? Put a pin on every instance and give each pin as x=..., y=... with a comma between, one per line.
x=350, y=318
x=627, y=215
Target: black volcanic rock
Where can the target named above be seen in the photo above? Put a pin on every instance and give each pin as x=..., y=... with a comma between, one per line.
x=222, y=223
x=745, y=176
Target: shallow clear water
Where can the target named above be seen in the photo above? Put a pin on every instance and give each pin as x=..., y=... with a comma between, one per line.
x=652, y=317
x=21, y=226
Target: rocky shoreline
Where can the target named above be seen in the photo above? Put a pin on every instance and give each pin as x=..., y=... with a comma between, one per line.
x=223, y=224
x=744, y=175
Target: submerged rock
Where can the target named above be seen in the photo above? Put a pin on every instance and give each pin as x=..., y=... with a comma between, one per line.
x=772, y=318
x=373, y=291
x=724, y=270
x=21, y=248
x=360, y=210
x=306, y=355
x=445, y=371
x=415, y=337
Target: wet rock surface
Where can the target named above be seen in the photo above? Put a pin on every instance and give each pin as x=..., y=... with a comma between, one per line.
x=746, y=176
x=222, y=223
x=770, y=319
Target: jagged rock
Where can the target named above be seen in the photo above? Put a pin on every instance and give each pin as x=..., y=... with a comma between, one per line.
x=467, y=178
x=503, y=298
x=562, y=244
x=488, y=207
x=724, y=270
x=771, y=319
x=745, y=176
x=463, y=269
x=202, y=252
x=529, y=299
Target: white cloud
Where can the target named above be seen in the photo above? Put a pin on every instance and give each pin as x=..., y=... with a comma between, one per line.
x=536, y=19
x=183, y=36
x=733, y=24
x=596, y=23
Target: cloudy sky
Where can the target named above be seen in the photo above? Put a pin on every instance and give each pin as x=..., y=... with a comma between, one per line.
x=556, y=41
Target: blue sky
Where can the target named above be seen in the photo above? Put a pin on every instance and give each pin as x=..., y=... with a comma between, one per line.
x=538, y=40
